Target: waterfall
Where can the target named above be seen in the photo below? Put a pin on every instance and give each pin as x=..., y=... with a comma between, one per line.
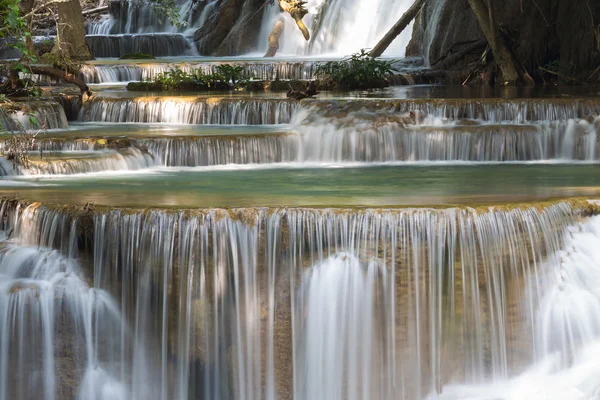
x=253, y=303
x=123, y=160
x=138, y=16
x=340, y=27
x=491, y=110
x=212, y=150
x=186, y=110
x=392, y=136
x=157, y=44
x=56, y=329
x=134, y=27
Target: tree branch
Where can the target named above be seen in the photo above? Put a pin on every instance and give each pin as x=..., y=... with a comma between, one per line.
x=60, y=74
x=397, y=29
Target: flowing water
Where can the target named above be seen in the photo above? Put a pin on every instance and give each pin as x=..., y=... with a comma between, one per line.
x=269, y=303
x=246, y=246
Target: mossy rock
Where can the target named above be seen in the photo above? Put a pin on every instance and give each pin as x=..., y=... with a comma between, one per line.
x=137, y=56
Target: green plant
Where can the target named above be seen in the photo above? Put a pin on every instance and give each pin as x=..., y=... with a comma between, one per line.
x=359, y=71
x=230, y=72
x=176, y=78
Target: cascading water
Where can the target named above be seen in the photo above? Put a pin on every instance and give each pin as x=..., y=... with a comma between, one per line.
x=339, y=27
x=59, y=335
x=298, y=303
x=385, y=136
x=212, y=150
x=134, y=27
x=182, y=110
x=124, y=160
x=37, y=114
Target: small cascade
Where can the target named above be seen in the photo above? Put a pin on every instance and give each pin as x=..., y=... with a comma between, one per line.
x=35, y=114
x=491, y=110
x=219, y=150
x=157, y=44
x=385, y=136
x=189, y=110
x=287, y=303
x=268, y=71
x=123, y=160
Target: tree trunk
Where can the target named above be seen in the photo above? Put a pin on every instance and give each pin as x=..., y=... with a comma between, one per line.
x=397, y=29
x=274, y=38
x=297, y=10
x=70, y=41
x=511, y=71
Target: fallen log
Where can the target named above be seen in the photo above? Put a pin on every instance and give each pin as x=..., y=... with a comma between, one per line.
x=451, y=59
x=56, y=74
x=274, y=38
x=397, y=29
x=310, y=92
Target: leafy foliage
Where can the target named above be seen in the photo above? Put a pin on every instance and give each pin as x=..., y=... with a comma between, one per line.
x=226, y=76
x=230, y=72
x=359, y=71
x=13, y=28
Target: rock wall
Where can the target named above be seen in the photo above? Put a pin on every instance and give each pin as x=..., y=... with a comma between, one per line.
x=232, y=30
x=541, y=32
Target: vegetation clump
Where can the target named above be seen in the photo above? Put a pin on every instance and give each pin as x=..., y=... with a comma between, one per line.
x=225, y=77
x=360, y=71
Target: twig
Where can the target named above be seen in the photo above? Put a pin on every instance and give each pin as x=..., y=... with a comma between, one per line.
x=560, y=75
